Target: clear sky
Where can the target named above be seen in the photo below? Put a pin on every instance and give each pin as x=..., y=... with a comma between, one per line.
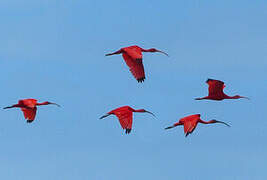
x=54, y=50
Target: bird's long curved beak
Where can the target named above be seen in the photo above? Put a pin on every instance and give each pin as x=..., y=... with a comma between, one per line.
x=56, y=104
x=244, y=97
x=223, y=123
x=163, y=52
x=108, y=54
x=150, y=113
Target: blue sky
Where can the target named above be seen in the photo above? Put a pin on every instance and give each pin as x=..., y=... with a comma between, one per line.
x=54, y=50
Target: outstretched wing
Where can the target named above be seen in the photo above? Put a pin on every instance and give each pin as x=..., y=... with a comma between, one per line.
x=125, y=119
x=215, y=87
x=133, y=59
x=29, y=113
x=189, y=127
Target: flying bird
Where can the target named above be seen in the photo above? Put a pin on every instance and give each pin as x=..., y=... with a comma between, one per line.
x=29, y=108
x=190, y=123
x=132, y=55
x=125, y=116
x=216, y=91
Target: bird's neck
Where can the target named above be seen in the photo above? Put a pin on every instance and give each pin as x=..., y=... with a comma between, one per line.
x=41, y=104
x=146, y=50
x=138, y=110
x=206, y=122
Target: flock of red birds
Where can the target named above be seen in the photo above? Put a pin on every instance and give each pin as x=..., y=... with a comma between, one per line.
x=132, y=56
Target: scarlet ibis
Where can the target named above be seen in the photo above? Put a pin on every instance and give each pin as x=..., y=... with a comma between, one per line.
x=29, y=107
x=190, y=123
x=132, y=55
x=216, y=91
x=125, y=116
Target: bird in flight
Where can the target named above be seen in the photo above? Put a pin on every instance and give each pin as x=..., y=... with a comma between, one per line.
x=125, y=116
x=190, y=123
x=132, y=55
x=216, y=91
x=29, y=108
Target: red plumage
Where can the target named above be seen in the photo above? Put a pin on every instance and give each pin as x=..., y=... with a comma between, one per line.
x=29, y=108
x=216, y=91
x=190, y=123
x=125, y=116
x=132, y=56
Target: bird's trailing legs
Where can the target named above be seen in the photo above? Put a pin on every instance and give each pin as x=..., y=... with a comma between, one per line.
x=106, y=115
x=117, y=52
x=176, y=124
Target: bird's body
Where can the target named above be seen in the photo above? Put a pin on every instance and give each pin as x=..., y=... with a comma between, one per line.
x=216, y=91
x=29, y=107
x=125, y=116
x=133, y=57
x=190, y=123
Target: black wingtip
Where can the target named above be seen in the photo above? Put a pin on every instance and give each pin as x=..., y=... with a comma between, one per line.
x=128, y=131
x=29, y=121
x=209, y=80
x=140, y=80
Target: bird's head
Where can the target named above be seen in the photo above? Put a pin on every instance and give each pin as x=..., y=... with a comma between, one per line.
x=215, y=121
x=144, y=111
x=156, y=50
x=47, y=103
x=238, y=97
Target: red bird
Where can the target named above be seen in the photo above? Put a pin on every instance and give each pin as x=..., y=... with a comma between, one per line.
x=132, y=55
x=190, y=123
x=216, y=91
x=125, y=116
x=29, y=108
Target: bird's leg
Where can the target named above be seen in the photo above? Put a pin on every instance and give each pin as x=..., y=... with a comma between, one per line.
x=176, y=124
x=8, y=107
x=106, y=115
x=201, y=98
x=117, y=52
x=13, y=106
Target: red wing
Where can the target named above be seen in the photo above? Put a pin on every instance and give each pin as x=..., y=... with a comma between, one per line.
x=189, y=127
x=136, y=67
x=215, y=87
x=29, y=113
x=28, y=102
x=134, y=52
x=126, y=119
